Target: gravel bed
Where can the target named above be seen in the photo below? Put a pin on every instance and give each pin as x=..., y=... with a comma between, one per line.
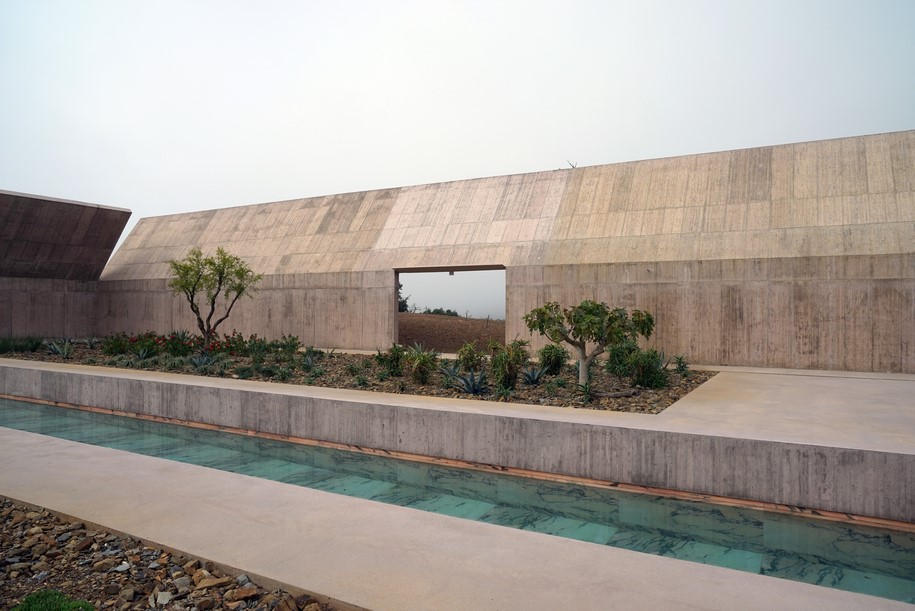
x=40, y=551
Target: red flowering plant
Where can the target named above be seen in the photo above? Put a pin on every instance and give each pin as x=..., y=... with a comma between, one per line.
x=179, y=343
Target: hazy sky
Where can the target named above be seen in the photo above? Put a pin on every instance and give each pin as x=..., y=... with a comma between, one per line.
x=164, y=107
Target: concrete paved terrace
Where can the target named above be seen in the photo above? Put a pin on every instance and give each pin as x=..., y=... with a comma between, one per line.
x=387, y=557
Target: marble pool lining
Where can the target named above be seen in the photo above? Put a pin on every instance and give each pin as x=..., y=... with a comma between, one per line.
x=667, y=451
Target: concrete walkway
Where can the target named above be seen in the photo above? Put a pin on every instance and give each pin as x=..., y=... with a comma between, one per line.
x=367, y=553
x=860, y=411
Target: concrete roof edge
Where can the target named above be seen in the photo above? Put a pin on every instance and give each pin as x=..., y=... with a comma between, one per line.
x=63, y=201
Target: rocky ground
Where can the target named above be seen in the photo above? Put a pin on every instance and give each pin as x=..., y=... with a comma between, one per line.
x=40, y=551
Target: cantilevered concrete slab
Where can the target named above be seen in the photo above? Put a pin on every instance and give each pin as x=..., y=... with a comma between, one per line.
x=367, y=553
x=51, y=254
x=45, y=237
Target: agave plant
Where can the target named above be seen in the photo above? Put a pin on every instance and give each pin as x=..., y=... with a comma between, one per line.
x=471, y=383
x=450, y=370
x=201, y=361
x=585, y=391
x=63, y=349
x=533, y=375
x=143, y=352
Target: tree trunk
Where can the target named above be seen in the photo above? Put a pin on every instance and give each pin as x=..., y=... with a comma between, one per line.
x=583, y=362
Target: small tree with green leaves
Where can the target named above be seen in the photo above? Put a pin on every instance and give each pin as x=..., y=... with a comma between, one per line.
x=588, y=323
x=208, y=282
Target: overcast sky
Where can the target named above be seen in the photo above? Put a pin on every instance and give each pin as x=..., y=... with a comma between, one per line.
x=166, y=107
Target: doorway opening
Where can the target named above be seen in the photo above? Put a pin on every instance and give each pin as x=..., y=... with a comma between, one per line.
x=443, y=308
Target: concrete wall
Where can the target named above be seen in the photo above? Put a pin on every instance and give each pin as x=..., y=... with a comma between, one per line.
x=47, y=308
x=551, y=440
x=343, y=310
x=43, y=237
x=847, y=313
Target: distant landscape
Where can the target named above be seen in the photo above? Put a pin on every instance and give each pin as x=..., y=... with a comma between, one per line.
x=447, y=333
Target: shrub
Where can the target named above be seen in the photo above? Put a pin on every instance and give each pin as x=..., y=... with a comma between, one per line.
x=552, y=357
x=361, y=381
x=551, y=388
x=681, y=366
x=256, y=347
x=116, y=344
x=470, y=357
x=287, y=346
x=420, y=362
x=244, y=371
x=51, y=600
x=649, y=369
x=392, y=361
x=283, y=374
x=315, y=353
x=175, y=363
x=27, y=344
x=619, y=358
x=179, y=343
x=507, y=361
x=267, y=371
x=235, y=344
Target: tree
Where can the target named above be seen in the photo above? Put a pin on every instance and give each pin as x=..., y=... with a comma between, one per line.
x=589, y=322
x=206, y=280
x=402, y=303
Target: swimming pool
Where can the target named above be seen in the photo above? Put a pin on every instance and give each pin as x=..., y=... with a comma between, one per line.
x=849, y=557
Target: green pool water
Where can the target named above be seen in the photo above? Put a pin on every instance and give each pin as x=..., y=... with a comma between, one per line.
x=856, y=558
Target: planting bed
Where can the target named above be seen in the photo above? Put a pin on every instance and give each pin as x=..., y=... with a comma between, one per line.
x=296, y=365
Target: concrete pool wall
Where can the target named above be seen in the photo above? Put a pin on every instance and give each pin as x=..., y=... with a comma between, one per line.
x=627, y=448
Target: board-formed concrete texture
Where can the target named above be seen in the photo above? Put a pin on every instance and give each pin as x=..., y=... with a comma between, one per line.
x=43, y=237
x=370, y=554
x=820, y=442
x=52, y=252
x=798, y=255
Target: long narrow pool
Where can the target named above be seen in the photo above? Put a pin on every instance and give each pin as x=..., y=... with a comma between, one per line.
x=849, y=557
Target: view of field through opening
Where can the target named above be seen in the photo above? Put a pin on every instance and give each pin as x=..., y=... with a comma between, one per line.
x=444, y=308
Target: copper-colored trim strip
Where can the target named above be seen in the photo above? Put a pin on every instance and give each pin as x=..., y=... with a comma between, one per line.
x=820, y=514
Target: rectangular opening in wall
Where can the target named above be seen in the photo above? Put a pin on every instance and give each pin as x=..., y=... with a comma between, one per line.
x=442, y=308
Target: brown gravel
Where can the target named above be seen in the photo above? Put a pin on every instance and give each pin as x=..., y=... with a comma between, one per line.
x=360, y=372
x=39, y=551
